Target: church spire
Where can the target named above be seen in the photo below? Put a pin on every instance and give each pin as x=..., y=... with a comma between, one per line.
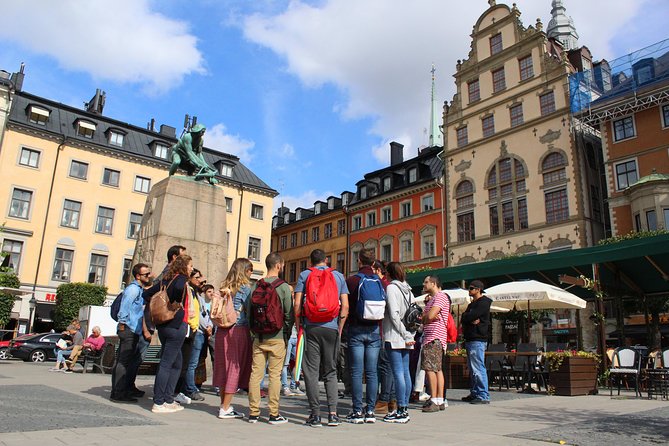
x=436, y=138
x=561, y=27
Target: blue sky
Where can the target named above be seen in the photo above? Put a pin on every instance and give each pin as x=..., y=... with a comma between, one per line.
x=308, y=93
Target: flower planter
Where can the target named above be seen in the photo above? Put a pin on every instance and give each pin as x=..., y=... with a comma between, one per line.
x=575, y=376
x=456, y=372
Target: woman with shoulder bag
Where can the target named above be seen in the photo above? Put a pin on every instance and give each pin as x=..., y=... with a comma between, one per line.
x=398, y=340
x=171, y=333
x=232, y=347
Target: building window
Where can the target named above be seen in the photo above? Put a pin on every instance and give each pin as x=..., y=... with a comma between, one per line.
x=427, y=202
x=405, y=209
x=637, y=222
x=522, y=213
x=507, y=217
x=498, y=80
x=553, y=169
x=354, y=257
x=161, y=151
x=110, y=177
x=126, y=275
x=62, y=265
x=666, y=217
x=494, y=220
x=228, y=204
x=596, y=203
x=283, y=242
x=651, y=220
x=292, y=276
x=363, y=192
x=256, y=211
x=371, y=219
x=304, y=237
x=254, y=249
x=79, y=170
x=341, y=227
x=474, y=90
x=20, y=204
x=464, y=194
x=71, y=213
x=293, y=240
x=29, y=157
x=341, y=259
x=626, y=174
x=665, y=116
x=506, y=181
x=488, y=124
x=315, y=234
x=327, y=230
x=357, y=222
x=496, y=44
x=466, y=227
x=428, y=243
x=386, y=214
x=386, y=252
x=406, y=247
x=413, y=175
x=526, y=68
x=116, y=138
x=547, y=103
x=226, y=170
x=85, y=129
x=105, y=220
x=557, y=207
x=98, y=269
x=13, y=249
x=142, y=184
x=623, y=128
x=134, y=224
x=386, y=184
x=38, y=115
x=461, y=135
x=516, y=112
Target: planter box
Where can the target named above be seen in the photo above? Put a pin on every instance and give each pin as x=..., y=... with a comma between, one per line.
x=576, y=376
x=456, y=372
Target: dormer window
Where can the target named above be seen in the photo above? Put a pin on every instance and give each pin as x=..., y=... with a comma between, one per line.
x=85, y=128
x=298, y=214
x=286, y=218
x=331, y=203
x=160, y=150
x=363, y=192
x=413, y=175
x=226, y=170
x=386, y=184
x=38, y=115
x=317, y=208
x=344, y=200
x=115, y=137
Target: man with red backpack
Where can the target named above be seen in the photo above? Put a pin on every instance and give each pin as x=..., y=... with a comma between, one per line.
x=270, y=315
x=321, y=299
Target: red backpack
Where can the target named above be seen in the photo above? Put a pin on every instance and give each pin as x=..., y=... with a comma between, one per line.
x=451, y=330
x=321, y=296
x=266, y=309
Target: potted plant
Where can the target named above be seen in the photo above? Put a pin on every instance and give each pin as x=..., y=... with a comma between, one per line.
x=572, y=372
x=456, y=372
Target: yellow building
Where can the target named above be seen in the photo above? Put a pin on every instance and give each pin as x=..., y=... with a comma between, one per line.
x=75, y=184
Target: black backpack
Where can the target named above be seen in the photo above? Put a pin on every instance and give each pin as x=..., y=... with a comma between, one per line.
x=413, y=316
x=116, y=306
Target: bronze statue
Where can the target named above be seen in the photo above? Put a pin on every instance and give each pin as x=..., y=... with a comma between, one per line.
x=187, y=154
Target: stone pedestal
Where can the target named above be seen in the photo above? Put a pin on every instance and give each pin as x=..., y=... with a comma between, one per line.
x=180, y=211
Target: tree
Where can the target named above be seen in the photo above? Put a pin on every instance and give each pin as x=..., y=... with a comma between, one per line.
x=70, y=297
x=10, y=280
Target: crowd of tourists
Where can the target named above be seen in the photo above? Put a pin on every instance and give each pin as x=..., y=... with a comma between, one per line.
x=365, y=329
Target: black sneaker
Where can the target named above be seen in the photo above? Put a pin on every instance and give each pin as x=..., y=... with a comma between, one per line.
x=313, y=421
x=253, y=418
x=370, y=417
x=390, y=418
x=468, y=398
x=333, y=420
x=277, y=419
x=355, y=418
x=479, y=401
x=136, y=393
x=123, y=399
x=402, y=416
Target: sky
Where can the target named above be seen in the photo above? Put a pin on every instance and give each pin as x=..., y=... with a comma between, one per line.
x=308, y=94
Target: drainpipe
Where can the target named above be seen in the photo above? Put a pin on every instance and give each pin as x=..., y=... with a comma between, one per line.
x=239, y=220
x=48, y=207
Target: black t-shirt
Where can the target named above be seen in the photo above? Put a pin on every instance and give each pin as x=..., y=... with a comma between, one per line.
x=175, y=293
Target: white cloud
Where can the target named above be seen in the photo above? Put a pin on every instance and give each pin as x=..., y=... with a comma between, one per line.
x=216, y=138
x=379, y=53
x=305, y=200
x=287, y=151
x=119, y=40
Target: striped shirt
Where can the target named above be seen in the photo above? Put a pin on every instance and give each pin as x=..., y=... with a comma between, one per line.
x=437, y=328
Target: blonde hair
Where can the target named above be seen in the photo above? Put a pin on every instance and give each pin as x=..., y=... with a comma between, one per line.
x=237, y=277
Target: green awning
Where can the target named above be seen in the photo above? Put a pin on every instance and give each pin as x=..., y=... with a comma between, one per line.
x=635, y=267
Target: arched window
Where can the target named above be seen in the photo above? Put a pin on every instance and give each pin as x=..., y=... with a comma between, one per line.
x=464, y=198
x=554, y=171
x=506, y=194
x=464, y=194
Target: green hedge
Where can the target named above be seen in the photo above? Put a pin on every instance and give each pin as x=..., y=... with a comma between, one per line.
x=70, y=297
x=9, y=280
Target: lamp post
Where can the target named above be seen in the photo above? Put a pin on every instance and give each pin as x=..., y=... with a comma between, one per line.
x=33, y=303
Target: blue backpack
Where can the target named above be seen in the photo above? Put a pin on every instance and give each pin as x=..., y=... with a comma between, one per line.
x=371, y=304
x=116, y=306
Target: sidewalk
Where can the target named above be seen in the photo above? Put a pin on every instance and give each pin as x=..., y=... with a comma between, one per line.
x=46, y=408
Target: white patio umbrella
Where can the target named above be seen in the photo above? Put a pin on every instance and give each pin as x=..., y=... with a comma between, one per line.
x=532, y=294
x=459, y=300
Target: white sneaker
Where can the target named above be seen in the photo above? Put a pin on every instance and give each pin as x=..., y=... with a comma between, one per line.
x=285, y=391
x=445, y=402
x=162, y=408
x=176, y=406
x=229, y=414
x=297, y=392
x=423, y=397
x=54, y=369
x=182, y=399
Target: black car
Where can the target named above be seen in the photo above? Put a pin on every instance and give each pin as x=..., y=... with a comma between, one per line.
x=35, y=348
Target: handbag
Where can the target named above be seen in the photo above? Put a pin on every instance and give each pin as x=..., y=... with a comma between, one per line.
x=413, y=316
x=223, y=312
x=162, y=310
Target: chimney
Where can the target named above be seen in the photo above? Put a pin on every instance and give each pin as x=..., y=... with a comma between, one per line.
x=17, y=78
x=396, y=153
x=168, y=131
x=97, y=103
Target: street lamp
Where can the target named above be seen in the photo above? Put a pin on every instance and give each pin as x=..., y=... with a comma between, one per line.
x=33, y=303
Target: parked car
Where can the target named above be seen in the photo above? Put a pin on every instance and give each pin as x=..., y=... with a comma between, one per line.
x=4, y=350
x=35, y=347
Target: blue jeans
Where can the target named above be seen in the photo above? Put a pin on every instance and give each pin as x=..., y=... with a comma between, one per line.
x=399, y=363
x=364, y=345
x=61, y=354
x=196, y=349
x=170, y=363
x=290, y=351
x=386, y=381
x=478, y=377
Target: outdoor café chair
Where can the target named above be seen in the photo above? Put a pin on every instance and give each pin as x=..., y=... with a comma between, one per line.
x=627, y=364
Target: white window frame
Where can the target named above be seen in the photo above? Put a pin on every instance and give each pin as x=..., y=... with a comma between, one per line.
x=63, y=261
x=86, y=129
x=389, y=210
x=356, y=221
x=428, y=232
x=128, y=233
x=142, y=182
x=97, y=218
x=614, y=137
x=422, y=202
x=406, y=255
x=21, y=244
x=256, y=206
x=226, y=170
x=387, y=183
x=98, y=279
x=402, y=213
x=386, y=240
x=116, y=138
x=160, y=150
x=41, y=115
x=31, y=152
x=371, y=215
x=259, y=247
x=412, y=175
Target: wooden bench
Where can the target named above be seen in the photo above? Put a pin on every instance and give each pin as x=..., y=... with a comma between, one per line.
x=105, y=360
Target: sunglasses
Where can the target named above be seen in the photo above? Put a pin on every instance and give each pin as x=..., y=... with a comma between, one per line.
x=473, y=288
x=145, y=274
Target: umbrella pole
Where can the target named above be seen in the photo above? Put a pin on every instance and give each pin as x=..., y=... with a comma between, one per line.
x=529, y=319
